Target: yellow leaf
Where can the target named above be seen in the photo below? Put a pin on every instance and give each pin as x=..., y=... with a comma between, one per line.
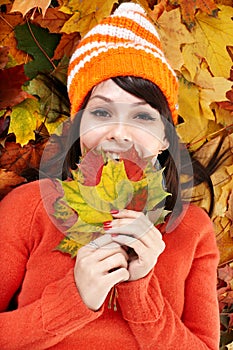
x=112, y=184
x=225, y=187
x=85, y=206
x=195, y=125
x=24, y=6
x=68, y=245
x=173, y=35
x=223, y=183
x=211, y=37
x=223, y=116
x=223, y=238
x=85, y=14
x=25, y=118
x=215, y=94
x=71, y=25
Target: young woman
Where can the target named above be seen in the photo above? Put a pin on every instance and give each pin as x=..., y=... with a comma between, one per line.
x=123, y=93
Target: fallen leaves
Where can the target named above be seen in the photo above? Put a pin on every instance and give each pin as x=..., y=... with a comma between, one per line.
x=85, y=14
x=189, y=8
x=24, y=6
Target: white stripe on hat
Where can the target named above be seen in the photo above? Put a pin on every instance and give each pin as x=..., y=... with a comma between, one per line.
x=139, y=19
x=113, y=31
x=103, y=48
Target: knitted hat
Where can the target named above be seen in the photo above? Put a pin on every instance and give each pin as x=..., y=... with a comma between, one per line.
x=123, y=44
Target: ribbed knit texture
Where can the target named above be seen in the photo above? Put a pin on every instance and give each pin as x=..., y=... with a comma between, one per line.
x=174, y=307
x=124, y=44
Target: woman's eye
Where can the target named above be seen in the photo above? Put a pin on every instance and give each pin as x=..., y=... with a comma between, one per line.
x=144, y=116
x=100, y=113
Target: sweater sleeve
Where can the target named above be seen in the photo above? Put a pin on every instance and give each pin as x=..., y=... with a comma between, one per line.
x=154, y=322
x=59, y=311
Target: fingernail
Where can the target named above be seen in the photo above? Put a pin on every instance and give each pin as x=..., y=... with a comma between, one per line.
x=107, y=228
x=114, y=211
x=107, y=223
x=114, y=234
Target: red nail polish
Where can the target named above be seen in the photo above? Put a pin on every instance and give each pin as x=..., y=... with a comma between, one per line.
x=114, y=235
x=107, y=223
x=114, y=211
x=107, y=228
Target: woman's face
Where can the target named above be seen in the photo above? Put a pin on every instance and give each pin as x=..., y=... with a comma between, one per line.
x=114, y=121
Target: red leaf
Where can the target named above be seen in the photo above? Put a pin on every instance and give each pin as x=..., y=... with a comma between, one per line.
x=92, y=164
x=11, y=81
x=134, y=165
x=91, y=167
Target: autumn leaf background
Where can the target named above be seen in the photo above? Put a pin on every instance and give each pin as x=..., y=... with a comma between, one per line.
x=37, y=39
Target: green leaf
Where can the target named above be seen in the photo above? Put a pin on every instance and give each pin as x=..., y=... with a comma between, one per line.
x=156, y=192
x=52, y=104
x=40, y=44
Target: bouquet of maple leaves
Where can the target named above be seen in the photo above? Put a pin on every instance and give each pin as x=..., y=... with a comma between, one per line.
x=100, y=184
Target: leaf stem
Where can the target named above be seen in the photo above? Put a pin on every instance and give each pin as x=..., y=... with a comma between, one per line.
x=39, y=46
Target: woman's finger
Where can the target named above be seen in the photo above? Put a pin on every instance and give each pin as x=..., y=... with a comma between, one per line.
x=137, y=226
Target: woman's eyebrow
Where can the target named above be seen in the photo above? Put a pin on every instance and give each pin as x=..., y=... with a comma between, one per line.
x=106, y=99
x=109, y=100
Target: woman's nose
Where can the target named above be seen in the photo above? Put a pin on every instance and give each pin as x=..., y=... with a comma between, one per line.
x=120, y=132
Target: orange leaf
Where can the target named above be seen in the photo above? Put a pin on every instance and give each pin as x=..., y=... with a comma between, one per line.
x=189, y=8
x=16, y=158
x=24, y=6
x=53, y=20
x=66, y=45
x=7, y=37
x=9, y=180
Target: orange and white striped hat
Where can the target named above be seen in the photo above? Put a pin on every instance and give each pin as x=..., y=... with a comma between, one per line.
x=123, y=44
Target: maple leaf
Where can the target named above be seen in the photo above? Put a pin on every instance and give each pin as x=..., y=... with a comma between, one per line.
x=67, y=45
x=40, y=44
x=24, y=6
x=53, y=20
x=112, y=187
x=11, y=81
x=211, y=47
x=189, y=8
x=170, y=26
x=85, y=14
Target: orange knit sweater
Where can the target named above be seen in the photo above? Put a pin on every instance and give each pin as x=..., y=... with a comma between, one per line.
x=173, y=307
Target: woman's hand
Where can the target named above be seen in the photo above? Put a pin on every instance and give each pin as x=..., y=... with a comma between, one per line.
x=133, y=229
x=98, y=268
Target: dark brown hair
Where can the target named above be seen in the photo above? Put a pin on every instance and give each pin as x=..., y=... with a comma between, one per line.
x=176, y=160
